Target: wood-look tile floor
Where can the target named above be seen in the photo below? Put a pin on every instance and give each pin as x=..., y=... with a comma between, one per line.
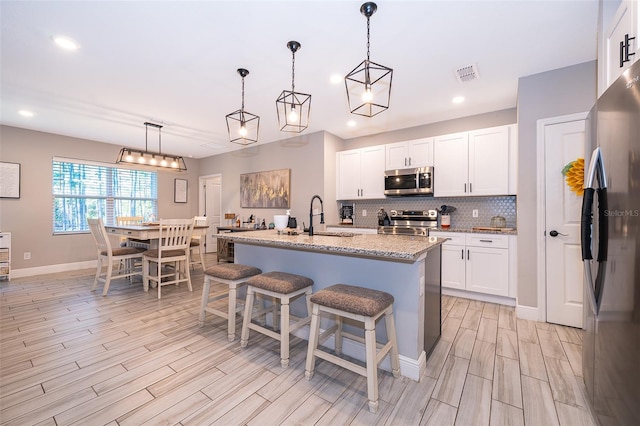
x=71, y=356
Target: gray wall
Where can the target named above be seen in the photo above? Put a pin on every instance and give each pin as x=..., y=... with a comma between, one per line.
x=29, y=218
x=463, y=124
x=550, y=94
x=312, y=172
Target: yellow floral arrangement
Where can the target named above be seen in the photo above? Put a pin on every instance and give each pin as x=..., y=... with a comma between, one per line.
x=574, y=174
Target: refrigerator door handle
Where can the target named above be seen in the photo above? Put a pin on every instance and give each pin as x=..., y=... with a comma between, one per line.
x=596, y=175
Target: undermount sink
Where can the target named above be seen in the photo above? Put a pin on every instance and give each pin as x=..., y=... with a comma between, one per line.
x=333, y=234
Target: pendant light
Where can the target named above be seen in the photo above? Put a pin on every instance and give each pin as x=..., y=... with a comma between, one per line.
x=369, y=84
x=151, y=158
x=242, y=125
x=293, y=107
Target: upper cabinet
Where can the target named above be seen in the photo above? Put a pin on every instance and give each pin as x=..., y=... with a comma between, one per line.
x=619, y=43
x=480, y=162
x=414, y=153
x=360, y=173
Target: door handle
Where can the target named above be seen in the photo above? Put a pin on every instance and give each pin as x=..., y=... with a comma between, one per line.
x=555, y=233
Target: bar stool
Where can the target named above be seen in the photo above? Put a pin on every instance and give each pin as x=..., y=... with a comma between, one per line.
x=359, y=304
x=235, y=276
x=283, y=287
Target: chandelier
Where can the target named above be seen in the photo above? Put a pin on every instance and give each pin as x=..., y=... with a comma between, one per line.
x=151, y=158
x=369, y=84
x=293, y=107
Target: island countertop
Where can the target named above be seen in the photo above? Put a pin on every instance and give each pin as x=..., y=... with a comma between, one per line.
x=398, y=248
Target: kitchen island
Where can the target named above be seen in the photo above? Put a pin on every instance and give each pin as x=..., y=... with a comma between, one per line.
x=406, y=267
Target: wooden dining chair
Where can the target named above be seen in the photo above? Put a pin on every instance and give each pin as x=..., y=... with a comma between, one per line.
x=197, y=244
x=173, y=248
x=107, y=255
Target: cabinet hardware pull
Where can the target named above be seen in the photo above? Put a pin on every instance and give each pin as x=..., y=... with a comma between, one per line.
x=486, y=241
x=462, y=253
x=624, y=50
x=409, y=160
x=405, y=161
x=470, y=187
x=468, y=255
x=465, y=187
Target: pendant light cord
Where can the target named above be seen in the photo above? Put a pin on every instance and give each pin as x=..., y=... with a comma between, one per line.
x=242, y=108
x=293, y=70
x=368, y=36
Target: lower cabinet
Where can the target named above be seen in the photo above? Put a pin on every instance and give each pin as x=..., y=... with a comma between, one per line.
x=476, y=262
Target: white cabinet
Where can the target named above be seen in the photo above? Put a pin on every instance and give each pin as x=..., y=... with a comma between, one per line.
x=414, y=153
x=473, y=163
x=5, y=255
x=620, y=44
x=476, y=262
x=360, y=173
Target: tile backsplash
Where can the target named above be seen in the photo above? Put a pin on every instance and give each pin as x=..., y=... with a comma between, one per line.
x=487, y=207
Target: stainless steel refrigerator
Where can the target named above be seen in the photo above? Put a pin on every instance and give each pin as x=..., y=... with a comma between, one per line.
x=611, y=253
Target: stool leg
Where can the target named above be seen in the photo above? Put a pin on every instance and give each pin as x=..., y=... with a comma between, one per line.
x=205, y=299
x=231, y=312
x=372, y=365
x=314, y=330
x=284, y=332
x=391, y=335
x=248, y=310
x=338, y=335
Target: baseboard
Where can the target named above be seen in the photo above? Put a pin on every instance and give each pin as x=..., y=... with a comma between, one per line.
x=482, y=297
x=527, y=312
x=52, y=269
x=410, y=368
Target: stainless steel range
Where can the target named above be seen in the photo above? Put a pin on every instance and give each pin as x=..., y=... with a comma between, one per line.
x=410, y=222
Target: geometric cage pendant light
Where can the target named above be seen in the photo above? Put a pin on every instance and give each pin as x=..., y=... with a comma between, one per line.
x=243, y=126
x=145, y=157
x=369, y=84
x=293, y=107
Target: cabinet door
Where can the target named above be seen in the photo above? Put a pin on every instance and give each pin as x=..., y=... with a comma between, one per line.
x=397, y=156
x=453, y=262
x=348, y=180
x=622, y=24
x=451, y=165
x=421, y=152
x=488, y=270
x=489, y=161
x=372, y=172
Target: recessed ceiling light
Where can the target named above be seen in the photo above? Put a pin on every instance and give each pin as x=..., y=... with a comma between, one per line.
x=351, y=123
x=336, y=78
x=66, y=43
x=458, y=99
x=26, y=113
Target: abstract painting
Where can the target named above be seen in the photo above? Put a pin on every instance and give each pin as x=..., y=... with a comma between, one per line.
x=265, y=189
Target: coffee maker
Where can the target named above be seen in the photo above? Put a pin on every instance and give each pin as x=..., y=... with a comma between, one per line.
x=346, y=213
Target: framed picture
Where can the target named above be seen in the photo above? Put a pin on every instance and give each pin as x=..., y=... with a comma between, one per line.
x=9, y=180
x=180, y=190
x=265, y=189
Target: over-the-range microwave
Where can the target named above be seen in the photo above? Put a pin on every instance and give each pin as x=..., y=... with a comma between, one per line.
x=415, y=181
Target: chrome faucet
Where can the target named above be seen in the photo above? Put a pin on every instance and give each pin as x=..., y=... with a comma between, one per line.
x=311, y=213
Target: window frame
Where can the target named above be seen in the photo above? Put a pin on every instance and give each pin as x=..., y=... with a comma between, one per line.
x=106, y=197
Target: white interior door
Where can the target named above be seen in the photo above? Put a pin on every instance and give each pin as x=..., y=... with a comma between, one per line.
x=211, y=188
x=564, y=142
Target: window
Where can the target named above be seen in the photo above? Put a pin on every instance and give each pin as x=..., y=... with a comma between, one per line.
x=85, y=189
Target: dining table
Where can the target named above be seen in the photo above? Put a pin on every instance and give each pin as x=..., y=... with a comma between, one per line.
x=146, y=231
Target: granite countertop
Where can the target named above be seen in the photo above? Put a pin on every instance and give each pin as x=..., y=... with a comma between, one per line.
x=398, y=248
x=504, y=231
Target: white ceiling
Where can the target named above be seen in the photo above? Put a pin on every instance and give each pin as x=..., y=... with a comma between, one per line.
x=174, y=63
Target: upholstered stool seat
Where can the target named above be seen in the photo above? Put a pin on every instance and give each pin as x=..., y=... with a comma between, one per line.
x=284, y=288
x=235, y=276
x=363, y=305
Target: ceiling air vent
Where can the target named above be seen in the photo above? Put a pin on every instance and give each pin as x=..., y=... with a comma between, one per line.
x=467, y=73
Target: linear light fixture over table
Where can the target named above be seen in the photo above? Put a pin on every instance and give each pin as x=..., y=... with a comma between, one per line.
x=293, y=107
x=243, y=126
x=369, y=84
x=151, y=158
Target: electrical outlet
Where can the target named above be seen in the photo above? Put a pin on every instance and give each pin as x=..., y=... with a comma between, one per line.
x=475, y=212
x=364, y=213
x=27, y=255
